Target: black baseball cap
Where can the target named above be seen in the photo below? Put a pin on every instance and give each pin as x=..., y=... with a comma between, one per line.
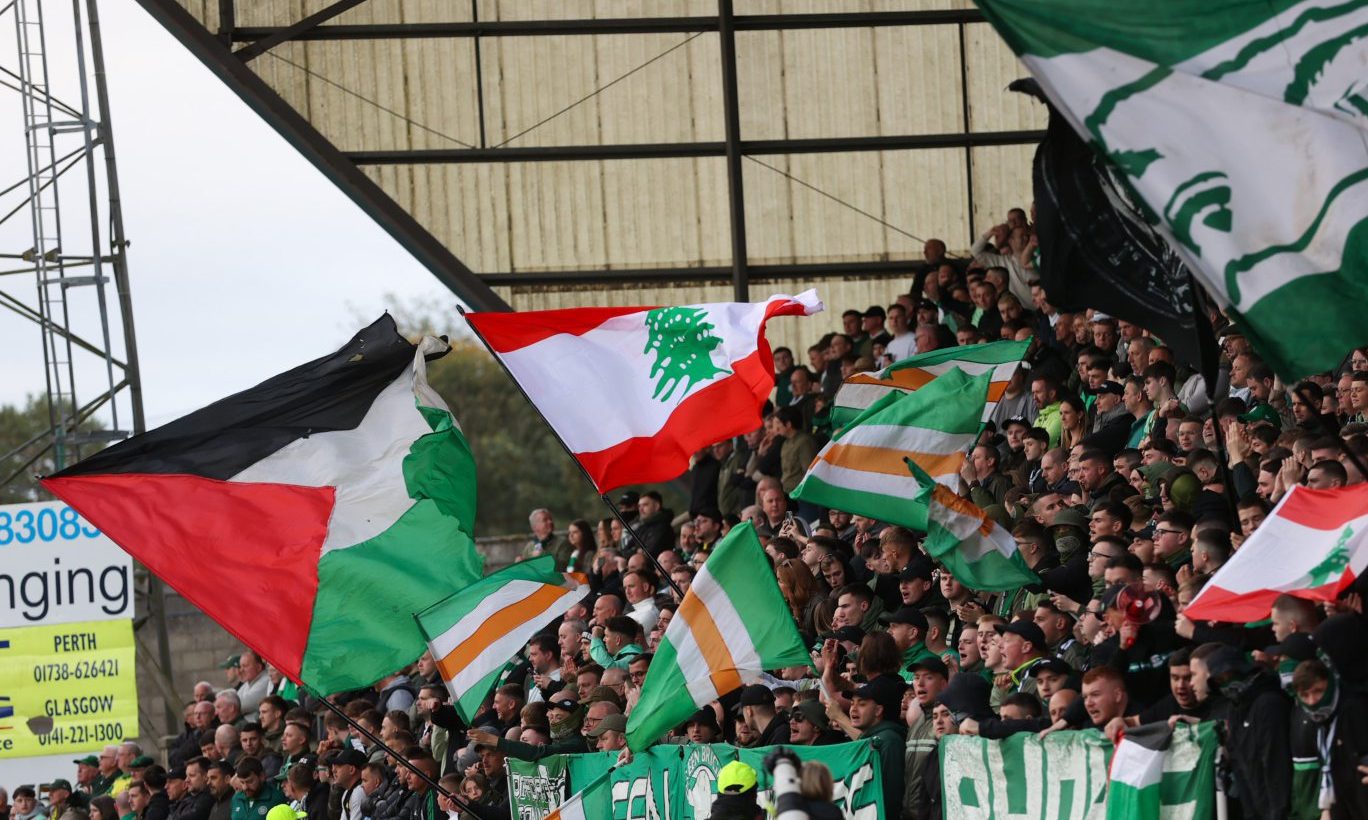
x=920, y=567
x=1019, y=421
x=347, y=756
x=967, y=695
x=1298, y=646
x=757, y=694
x=629, y=497
x=875, y=310
x=933, y=664
x=885, y=690
x=1057, y=665
x=905, y=615
x=706, y=716
x=1114, y=388
x=1025, y=629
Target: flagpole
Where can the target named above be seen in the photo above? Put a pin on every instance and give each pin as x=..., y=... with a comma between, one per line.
x=635, y=536
x=398, y=757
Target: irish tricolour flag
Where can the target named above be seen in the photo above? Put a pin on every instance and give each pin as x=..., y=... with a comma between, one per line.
x=633, y=392
x=1241, y=125
x=1313, y=545
x=863, y=470
x=474, y=634
x=978, y=551
x=861, y=390
x=310, y=515
x=732, y=625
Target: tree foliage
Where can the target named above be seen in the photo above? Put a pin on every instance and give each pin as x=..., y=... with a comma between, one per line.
x=17, y=426
x=519, y=464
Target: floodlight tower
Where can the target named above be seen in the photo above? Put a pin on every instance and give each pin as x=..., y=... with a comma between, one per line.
x=73, y=240
x=63, y=224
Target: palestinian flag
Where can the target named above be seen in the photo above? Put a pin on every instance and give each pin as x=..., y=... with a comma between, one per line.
x=1157, y=771
x=1210, y=113
x=863, y=470
x=979, y=552
x=1137, y=769
x=310, y=516
x=633, y=392
x=861, y=390
x=1313, y=545
x=731, y=626
x=475, y=633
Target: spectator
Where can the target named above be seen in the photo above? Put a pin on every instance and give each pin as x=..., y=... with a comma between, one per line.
x=545, y=541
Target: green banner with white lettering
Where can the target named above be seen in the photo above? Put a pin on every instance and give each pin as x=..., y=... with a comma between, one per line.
x=1065, y=776
x=679, y=781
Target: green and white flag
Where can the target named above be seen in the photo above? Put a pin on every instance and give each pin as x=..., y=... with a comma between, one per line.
x=1137, y=769
x=593, y=801
x=1242, y=126
x=732, y=625
x=863, y=470
x=475, y=633
x=861, y=390
x=978, y=551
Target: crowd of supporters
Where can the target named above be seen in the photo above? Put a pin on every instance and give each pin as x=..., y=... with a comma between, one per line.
x=1124, y=484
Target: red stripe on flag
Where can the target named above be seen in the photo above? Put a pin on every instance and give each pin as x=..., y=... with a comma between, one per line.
x=506, y=332
x=726, y=408
x=1324, y=509
x=1220, y=604
x=245, y=554
x=730, y=407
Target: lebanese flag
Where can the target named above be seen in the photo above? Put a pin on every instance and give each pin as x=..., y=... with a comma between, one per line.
x=310, y=516
x=1312, y=545
x=633, y=392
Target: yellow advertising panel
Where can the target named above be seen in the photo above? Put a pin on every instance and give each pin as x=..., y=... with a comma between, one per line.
x=66, y=687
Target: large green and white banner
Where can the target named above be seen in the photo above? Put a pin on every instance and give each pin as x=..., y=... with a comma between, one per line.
x=1239, y=125
x=678, y=782
x=1065, y=776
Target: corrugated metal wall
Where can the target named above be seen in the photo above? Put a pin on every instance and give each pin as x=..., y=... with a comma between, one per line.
x=528, y=217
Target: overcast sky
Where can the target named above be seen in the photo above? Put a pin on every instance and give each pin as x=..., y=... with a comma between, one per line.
x=244, y=259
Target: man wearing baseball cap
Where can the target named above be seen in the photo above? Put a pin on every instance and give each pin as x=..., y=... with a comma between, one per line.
x=809, y=726
x=1023, y=646
x=756, y=705
x=345, y=765
x=87, y=772
x=907, y=626
x=874, y=709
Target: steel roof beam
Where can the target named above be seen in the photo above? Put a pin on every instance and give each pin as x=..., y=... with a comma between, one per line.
x=618, y=25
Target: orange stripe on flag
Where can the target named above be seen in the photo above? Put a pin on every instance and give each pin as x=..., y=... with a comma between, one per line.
x=498, y=625
x=711, y=643
x=995, y=391
x=889, y=462
x=909, y=379
x=947, y=498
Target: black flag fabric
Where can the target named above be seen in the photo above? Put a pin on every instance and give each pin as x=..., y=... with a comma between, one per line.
x=1098, y=251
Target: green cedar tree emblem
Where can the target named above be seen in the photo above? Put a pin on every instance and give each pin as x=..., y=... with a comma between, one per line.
x=682, y=340
x=1333, y=565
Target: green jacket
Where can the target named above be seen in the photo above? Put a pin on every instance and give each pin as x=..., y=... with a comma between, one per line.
x=255, y=808
x=598, y=651
x=1048, y=418
x=889, y=740
x=916, y=653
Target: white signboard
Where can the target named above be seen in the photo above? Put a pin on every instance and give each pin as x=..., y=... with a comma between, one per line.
x=56, y=568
